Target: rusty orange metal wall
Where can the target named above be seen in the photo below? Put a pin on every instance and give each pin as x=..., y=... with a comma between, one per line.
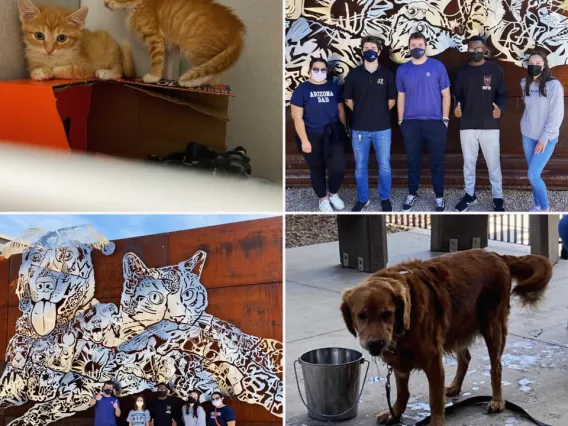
x=243, y=276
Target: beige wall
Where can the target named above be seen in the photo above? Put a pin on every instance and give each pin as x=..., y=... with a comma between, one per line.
x=11, y=46
x=256, y=110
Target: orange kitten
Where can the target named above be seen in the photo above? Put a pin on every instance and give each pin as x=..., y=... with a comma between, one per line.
x=57, y=46
x=209, y=34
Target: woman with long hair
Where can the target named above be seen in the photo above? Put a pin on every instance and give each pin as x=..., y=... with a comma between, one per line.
x=319, y=119
x=540, y=125
x=193, y=413
x=139, y=416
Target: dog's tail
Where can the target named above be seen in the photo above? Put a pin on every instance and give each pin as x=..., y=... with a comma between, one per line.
x=532, y=272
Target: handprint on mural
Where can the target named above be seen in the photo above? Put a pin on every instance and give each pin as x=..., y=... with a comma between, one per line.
x=160, y=333
x=332, y=29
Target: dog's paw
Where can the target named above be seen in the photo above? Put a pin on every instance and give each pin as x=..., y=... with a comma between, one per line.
x=149, y=78
x=496, y=406
x=106, y=75
x=386, y=418
x=452, y=391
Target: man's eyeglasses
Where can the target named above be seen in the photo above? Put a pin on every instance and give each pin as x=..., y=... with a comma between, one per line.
x=319, y=69
x=477, y=50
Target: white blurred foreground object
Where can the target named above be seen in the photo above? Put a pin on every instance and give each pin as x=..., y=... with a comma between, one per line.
x=43, y=180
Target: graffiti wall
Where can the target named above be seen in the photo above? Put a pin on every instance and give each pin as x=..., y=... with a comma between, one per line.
x=332, y=29
x=67, y=342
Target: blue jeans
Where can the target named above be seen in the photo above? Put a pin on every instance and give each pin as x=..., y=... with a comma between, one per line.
x=381, y=141
x=537, y=163
x=563, y=231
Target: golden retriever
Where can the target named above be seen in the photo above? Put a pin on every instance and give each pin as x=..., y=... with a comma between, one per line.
x=415, y=312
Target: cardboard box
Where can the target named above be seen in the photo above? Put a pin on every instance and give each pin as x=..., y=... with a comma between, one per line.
x=128, y=119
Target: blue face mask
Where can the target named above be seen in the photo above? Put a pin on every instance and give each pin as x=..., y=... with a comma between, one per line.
x=370, y=55
x=417, y=53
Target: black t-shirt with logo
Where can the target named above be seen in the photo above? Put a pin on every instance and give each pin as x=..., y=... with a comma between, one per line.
x=224, y=415
x=164, y=411
x=477, y=88
x=370, y=93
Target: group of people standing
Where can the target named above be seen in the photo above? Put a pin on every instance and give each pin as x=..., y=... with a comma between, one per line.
x=421, y=92
x=165, y=410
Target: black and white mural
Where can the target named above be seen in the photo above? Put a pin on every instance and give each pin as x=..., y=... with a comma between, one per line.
x=67, y=343
x=333, y=29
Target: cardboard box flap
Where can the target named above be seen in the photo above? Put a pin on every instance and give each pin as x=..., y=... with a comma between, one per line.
x=181, y=98
x=221, y=90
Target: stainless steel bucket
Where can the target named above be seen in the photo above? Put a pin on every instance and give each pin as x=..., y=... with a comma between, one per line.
x=331, y=382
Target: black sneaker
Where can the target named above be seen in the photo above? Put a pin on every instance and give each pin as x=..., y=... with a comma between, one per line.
x=410, y=200
x=359, y=206
x=465, y=202
x=498, y=205
x=386, y=205
x=440, y=205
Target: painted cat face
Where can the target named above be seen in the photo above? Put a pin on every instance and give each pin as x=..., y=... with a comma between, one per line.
x=173, y=292
x=51, y=31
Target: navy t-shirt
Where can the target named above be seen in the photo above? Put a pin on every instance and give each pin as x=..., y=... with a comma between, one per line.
x=319, y=102
x=163, y=411
x=224, y=415
x=104, y=411
x=422, y=85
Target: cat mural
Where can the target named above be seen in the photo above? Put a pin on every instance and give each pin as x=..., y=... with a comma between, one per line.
x=332, y=29
x=160, y=333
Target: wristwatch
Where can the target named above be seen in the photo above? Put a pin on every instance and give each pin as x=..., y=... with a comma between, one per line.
x=399, y=122
x=446, y=120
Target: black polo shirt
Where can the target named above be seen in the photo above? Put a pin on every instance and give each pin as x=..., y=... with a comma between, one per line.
x=370, y=93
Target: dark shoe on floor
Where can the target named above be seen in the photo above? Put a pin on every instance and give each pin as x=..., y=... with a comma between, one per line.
x=410, y=200
x=440, y=205
x=498, y=205
x=359, y=206
x=466, y=202
x=386, y=205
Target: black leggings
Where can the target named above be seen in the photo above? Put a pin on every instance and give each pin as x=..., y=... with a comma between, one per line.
x=319, y=162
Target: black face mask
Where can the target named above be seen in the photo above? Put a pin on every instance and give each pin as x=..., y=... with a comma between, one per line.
x=475, y=56
x=107, y=391
x=191, y=400
x=162, y=393
x=534, y=70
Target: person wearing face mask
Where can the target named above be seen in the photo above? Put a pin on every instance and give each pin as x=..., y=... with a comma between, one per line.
x=139, y=416
x=370, y=92
x=423, y=109
x=481, y=96
x=106, y=406
x=319, y=120
x=193, y=413
x=540, y=125
x=164, y=410
x=222, y=415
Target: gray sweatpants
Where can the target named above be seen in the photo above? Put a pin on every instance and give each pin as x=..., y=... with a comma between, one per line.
x=488, y=140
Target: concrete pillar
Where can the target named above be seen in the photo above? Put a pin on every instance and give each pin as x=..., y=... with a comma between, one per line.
x=362, y=242
x=455, y=232
x=543, y=235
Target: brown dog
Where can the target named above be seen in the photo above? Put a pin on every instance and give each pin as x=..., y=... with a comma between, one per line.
x=415, y=312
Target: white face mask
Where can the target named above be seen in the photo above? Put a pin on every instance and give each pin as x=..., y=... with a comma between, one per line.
x=318, y=77
x=216, y=403
x=139, y=404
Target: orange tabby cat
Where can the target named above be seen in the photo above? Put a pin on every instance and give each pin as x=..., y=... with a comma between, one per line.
x=57, y=46
x=209, y=34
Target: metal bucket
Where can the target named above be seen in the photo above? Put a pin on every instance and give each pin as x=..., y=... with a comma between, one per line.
x=331, y=383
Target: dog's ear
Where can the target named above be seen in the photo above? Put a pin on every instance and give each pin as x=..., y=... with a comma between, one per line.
x=346, y=311
x=403, y=304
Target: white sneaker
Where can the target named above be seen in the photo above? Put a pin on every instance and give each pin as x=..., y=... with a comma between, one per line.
x=325, y=207
x=336, y=202
x=535, y=209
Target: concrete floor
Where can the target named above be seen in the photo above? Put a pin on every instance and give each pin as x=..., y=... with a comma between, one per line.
x=535, y=363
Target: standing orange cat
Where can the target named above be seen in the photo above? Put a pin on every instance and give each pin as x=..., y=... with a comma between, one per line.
x=209, y=34
x=57, y=46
